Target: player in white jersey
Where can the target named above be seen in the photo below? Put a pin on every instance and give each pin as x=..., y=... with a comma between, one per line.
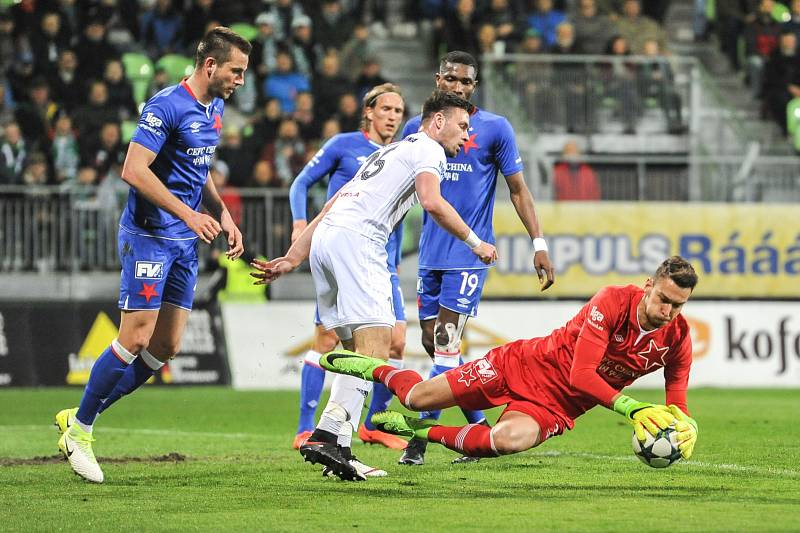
x=346, y=246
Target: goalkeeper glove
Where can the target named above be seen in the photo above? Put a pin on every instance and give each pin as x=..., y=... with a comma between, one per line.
x=643, y=416
x=686, y=426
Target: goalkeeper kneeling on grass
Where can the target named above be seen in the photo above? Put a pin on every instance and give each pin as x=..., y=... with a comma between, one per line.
x=545, y=383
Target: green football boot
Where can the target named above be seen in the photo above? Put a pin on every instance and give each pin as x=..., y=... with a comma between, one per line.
x=65, y=418
x=351, y=363
x=399, y=424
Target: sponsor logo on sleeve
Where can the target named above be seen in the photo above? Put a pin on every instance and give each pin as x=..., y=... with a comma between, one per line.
x=595, y=317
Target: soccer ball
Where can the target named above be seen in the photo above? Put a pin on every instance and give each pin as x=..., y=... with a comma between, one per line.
x=659, y=451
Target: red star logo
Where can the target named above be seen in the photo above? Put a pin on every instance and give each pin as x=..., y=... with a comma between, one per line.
x=653, y=359
x=148, y=291
x=470, y=143
x=217, y=123
x=467, y=376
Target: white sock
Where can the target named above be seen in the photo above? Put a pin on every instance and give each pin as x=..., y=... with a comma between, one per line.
x=348, y=392
x=397, y=363
x=312, y=357
x=150, y=360
x=86, y=427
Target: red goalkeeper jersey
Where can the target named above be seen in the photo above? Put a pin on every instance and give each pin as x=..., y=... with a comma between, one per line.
x=613, y=352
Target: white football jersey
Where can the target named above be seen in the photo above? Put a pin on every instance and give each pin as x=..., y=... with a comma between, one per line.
x=382, y=191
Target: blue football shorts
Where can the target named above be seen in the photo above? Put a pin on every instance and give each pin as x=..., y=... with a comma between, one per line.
x=156, y=270
x=456, y=290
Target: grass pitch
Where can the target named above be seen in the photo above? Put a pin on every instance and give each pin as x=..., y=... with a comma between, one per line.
x=216, y=459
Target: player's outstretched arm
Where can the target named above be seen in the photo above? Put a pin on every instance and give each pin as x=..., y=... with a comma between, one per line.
x=522, y=199
x=136, y=173
x=214, y=204
x=430, y=197
x=269, y=271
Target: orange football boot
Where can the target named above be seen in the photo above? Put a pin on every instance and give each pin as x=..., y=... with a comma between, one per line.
x=373, y=436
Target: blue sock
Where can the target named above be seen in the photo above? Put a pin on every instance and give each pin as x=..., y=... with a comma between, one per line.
x=106, y=373
x=134, y=377
x=473, y=417
x=312, y=379
x=381, y=397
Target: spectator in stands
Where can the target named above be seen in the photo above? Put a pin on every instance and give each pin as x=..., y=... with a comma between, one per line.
x=65, y=150
x=333, y=26
x=7, y=105
x=306, y=53
x=506, y=17
x=160, y=81
x=545, y=19
x=369, y=77
x=531, y=43
x=330, y=128
x=48, y=44
x=264, y=176
x=120, y=91
x=782, y=78
x=348, y=113
x=356, y=51
x=286, y=12
x=461, y=27
x=265, y=129
x=89, y=118
x=656, y=9
x=103, y=150
x=20, y=75
x=13, y=153
x=36, y=172
x=36, y=116
x=287, y=153
x=94, y=50
x=329, y=85
x=196, y=21
x=618, y=79
x=761, y=40
x=229, y=194
x=263, y=57
x=67, y=87
x=637, y=28
x=8, y=42
x=573, y=179
x=565, y=40
x=162, y=30
x=793, y=24
x=657, y=82
x=285, y=82
x=730, y=24
x=239, y=158
x=592, y=29
x=487, y=40
x=305, y=118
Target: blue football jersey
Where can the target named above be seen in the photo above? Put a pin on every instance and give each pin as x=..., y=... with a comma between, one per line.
x=469, y=185
x=339, y=158
x=184, y=134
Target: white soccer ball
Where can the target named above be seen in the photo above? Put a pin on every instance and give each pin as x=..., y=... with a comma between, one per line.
x=659, y=450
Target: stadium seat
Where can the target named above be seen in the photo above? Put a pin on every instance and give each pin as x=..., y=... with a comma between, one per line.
x=126, y=130
x=139, y=71
x=176, y=66
x=248, y=31
x=793, y=115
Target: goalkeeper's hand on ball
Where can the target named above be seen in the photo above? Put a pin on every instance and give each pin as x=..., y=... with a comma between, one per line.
x=686, y=426
x=643, y=416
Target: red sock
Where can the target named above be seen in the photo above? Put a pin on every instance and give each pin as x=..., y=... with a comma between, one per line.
x=473, y=440
x=398, y=381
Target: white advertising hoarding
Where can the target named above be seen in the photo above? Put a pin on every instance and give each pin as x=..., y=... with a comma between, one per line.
x=736, y=344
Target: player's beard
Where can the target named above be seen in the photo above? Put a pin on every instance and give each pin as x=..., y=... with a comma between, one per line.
x=217, y=89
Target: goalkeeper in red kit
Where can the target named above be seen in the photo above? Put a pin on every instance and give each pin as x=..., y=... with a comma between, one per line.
x=545, y=383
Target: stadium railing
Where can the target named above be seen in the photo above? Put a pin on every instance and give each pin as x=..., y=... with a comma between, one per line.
x=54, y=229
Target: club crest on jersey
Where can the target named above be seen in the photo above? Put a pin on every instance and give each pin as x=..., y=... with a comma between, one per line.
x=486, y=371
x=467, y=375
x=653, y=355
x=149, y=270
x=595, y=317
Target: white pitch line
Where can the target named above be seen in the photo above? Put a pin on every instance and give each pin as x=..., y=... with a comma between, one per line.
x=698, y=464
x=166, y=432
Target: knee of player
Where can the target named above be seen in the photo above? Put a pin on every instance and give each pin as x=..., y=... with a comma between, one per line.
x=397, y=349
x=508, y=438
x=427, y=343
x=326, y=341
x=163, y=350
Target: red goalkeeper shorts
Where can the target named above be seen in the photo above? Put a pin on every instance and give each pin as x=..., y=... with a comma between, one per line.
x=480, y=385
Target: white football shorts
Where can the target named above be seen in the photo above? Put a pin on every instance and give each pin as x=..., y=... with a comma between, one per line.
x=352, y=281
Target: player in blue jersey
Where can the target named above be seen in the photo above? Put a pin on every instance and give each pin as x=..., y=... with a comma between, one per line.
x=339, y=159
x=167, y=167
x=451, y=278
